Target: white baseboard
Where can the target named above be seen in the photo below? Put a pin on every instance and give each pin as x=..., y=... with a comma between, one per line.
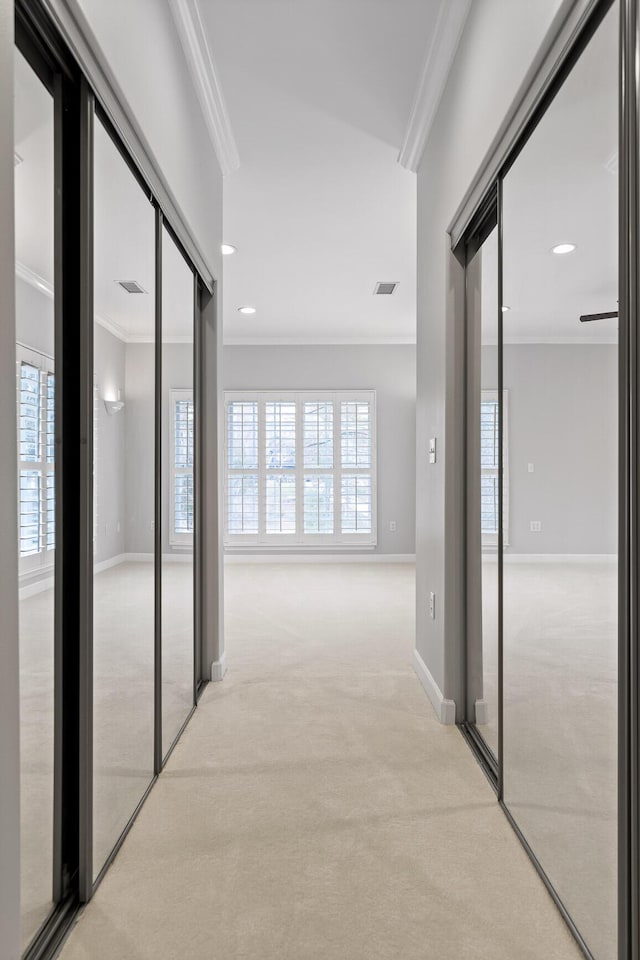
x=166, y=557
x=39, y=586
x=482, y=712
x=234, y=558
x=552, y=557
x=445, y=709
x=111, y=562
x=219, y=668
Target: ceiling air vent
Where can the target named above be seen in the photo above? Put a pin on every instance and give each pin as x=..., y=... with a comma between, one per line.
x=385, y=289
x=131, y=286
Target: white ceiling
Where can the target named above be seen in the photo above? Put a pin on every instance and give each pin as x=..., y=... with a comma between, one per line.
x=319, y=93
x=563, y=187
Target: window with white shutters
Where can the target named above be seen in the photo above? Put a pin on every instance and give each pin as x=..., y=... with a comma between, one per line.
x=300, y=469
x=36, y=459
x=490, y=477
x=182, y=494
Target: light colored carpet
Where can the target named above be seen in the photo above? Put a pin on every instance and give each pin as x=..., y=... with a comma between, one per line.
x=123, y=711
x=315, y=808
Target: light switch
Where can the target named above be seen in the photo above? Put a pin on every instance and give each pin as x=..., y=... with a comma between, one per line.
x=530, y=467
x=432, y=450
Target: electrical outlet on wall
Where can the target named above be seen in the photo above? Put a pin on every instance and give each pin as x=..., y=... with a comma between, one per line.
x=535, y=526
x=432, y=605
x=392, y=526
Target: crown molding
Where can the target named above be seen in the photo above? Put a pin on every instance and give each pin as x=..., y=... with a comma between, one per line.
x=44, y=286
x=446, y=35
x=112, y=327
x=33, y=279
x=188, y=20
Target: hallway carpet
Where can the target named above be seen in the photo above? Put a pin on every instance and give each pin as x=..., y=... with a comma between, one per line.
x=314, y=808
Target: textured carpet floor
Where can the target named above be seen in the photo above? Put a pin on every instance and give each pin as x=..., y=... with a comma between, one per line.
x=314, y=807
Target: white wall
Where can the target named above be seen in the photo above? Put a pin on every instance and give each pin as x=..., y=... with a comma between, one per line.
x=497, y=47
x=390, y=370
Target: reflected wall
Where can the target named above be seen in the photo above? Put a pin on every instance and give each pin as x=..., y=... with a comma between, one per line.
x=123, y=498
x=35, y=391
x=483, y=493
x=560, y=528
x=177, y=490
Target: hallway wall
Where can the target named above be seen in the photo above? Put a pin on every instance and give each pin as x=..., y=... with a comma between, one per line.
x=390, y=370
x=498, y=44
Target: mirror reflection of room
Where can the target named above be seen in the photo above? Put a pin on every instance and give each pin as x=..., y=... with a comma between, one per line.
x=560, y=262
x=35, y=385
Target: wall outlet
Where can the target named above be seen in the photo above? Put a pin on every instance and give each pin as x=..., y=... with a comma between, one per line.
x=535, y=526
x=432, y=606
x=392, y=526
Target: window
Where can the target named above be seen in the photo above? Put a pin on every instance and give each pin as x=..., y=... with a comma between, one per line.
x=36, y=459
x=181, y=460
x=300, y=469
x=489, y=450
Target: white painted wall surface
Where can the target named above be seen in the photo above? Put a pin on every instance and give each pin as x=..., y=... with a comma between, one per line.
x=390, y=371
x=497, y=47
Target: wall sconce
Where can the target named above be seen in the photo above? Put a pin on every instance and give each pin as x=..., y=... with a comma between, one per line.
x=114, y=406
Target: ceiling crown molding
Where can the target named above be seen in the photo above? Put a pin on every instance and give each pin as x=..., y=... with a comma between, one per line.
x=188, y=19
x=44, y=286
x=451, y=19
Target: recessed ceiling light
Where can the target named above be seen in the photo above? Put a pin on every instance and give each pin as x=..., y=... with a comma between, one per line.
x=227, y=249
x=246, y=309
x=505, y=308
x=562, y=248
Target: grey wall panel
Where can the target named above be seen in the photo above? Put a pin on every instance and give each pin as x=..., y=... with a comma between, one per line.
x=562, y=402
x=140, y=390
x=390, y=370
x=109, y=443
